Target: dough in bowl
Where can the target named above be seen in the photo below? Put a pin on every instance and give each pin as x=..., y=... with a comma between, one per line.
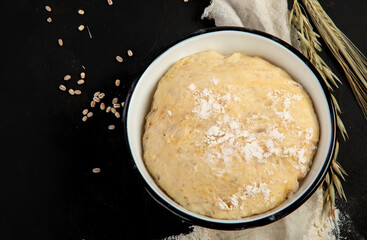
x=229, y=136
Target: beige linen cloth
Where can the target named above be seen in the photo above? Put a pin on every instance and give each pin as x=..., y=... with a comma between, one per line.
x=306, y=223
x=270, y=16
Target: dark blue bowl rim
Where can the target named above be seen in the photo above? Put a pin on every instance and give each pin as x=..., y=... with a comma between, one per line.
x=264, y=220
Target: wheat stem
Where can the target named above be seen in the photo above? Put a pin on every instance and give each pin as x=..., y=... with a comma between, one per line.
x=350, y=58
x=310, y=46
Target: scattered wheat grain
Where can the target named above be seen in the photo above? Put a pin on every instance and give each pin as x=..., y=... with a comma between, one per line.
x=108, y=109
x=49, y=19
x=111, y=127
x=85, y=118
x=85, y=111
x=117, y=114
x=130, y=53
x=80, y=82
x=96, y=99
x=96, y=170
x=109, y=2
x=81, y=12
x=119, y=59
x=116, y=105
x=117, y=82
x=61, y=42
x=67, y=77
x=82, y=75
x=71, y=91
x=62, y=87
x=92, y=104
x=102, y=106
x=78, y=92
x=90, y=114
x=115, y=100
x=113, y=110
x=101, y=95
x=48, y=8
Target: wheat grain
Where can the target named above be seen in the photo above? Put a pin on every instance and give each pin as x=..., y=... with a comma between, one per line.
x=117, y=82
x=96, y=99
x=60, y=42
x=102, y=106
x=116, y=105
x=119, y=59
x=62, y=87
x=101, y=95
x=80, y=82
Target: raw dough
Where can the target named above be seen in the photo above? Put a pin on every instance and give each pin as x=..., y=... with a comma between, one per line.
x=229, y=136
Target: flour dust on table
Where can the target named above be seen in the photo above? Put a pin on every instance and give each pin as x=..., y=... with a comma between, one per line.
x=305, y=223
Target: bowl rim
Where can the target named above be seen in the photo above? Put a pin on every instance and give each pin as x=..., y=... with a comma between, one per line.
x=257, y=222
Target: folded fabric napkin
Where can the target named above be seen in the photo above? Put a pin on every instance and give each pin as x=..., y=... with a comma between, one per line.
x=270, y=16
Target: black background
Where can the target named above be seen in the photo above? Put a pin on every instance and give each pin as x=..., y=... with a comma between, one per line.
x=48, y=190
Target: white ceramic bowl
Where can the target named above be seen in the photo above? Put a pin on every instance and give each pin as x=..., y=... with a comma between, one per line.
x=228, y=41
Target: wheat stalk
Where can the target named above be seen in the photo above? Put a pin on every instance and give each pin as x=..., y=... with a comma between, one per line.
x=310, y=47
x=333, y=182
x=353, y=62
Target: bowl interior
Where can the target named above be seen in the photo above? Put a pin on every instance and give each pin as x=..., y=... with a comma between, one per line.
x=228, y=42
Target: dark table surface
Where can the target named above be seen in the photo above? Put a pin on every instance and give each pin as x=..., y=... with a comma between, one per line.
x=48, y=189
